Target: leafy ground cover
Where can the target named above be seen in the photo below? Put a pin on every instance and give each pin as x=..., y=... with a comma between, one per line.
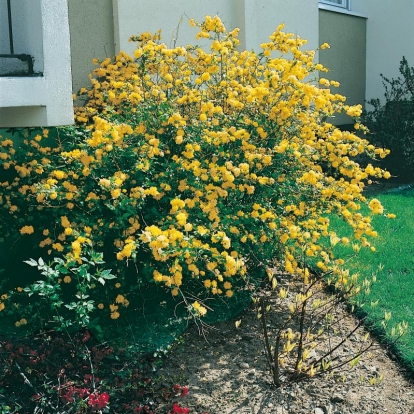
x=392, y=265
x=74, y=373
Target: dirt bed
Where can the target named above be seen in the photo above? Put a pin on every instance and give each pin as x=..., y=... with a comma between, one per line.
x=227, y=372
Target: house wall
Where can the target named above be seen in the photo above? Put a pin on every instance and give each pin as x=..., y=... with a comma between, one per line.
x=346, y=58
x=101, y=28
x=27, y=30
x=91, y=26
x=263, y=16
x=43, y=100
x=135, y=16
x=390, y=31
x=257, y=19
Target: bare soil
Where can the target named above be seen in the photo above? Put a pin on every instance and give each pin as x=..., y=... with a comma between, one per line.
x=227, y=372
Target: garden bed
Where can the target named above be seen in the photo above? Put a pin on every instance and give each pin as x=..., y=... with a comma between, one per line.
x=226, y=371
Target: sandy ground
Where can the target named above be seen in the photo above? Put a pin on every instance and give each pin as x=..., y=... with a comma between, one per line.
x=227, y=372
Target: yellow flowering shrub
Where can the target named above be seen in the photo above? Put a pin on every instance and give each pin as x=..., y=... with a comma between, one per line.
x=190, y=166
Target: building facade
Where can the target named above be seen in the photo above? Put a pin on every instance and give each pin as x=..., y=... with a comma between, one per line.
x=35, y=70
x=367, y=38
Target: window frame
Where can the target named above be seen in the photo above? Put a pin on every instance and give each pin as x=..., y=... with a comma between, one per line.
x=345, y=4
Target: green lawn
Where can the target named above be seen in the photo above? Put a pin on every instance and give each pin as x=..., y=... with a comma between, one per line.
x=393, y=264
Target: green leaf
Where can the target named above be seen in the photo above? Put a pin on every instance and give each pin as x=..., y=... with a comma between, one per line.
x=106, y=274
x=30, y=262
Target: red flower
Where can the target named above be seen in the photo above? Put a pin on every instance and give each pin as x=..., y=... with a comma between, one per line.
x=86, y=336
x=184, y=391
x=71, y=392
x=98, y=401
x=179, y=410
x=180, y=391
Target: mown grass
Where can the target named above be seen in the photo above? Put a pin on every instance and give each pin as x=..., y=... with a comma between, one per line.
x=393, y=265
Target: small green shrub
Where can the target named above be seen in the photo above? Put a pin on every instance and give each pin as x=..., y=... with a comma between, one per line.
x=392, y=124
x=74, y=306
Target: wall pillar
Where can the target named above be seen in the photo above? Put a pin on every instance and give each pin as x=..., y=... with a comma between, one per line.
x=46, y=98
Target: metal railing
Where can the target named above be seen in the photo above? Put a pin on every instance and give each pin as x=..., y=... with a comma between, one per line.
x=12, y=55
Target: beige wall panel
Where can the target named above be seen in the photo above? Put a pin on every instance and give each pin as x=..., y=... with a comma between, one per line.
x=390, y=34
x=346, y=35
x=135, y=16
x=92, y=36
x=257, y=19
x=263, y=16
x=33, y=116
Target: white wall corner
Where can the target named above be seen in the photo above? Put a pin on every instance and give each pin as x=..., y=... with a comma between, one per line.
x=57, y=66
x=50, y=93
x=117, y=39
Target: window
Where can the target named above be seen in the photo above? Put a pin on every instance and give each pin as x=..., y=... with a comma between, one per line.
x=346, y=4
x=20, y=38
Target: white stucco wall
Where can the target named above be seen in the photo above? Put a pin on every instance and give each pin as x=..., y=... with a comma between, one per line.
x=390, y=34
x=48, y=98
x=257, y=19
x=27, y=32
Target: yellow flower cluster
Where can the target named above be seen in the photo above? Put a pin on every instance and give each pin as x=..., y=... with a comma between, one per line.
x=21, y=322
x=27, y=230
x=375, y=206
x=198, y=163
x=127, y=250
x=199, y=309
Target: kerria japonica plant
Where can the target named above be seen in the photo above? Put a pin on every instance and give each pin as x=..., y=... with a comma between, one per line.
x=191, y=166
